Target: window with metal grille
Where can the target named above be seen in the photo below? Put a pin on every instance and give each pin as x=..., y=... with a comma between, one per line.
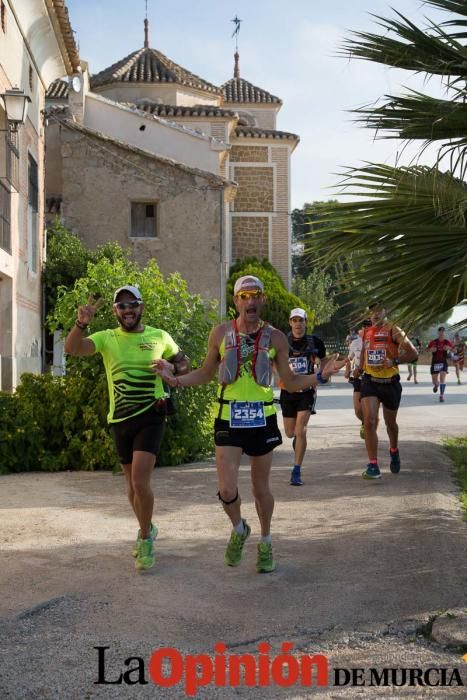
x=5, y=234
x=33, y=208
x=143, y=220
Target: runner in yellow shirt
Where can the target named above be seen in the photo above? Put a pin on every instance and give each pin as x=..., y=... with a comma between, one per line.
x=137, y=398
x=242, y=351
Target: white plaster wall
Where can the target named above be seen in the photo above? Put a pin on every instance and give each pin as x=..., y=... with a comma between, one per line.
x=159, y=137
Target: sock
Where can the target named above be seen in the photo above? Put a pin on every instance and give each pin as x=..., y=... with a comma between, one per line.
x=240, y=528
x=442, y=387
x=267, y=539
x=393, y=450
x=373, y=460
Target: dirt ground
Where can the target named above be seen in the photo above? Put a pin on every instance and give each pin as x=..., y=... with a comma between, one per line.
x=362, y=568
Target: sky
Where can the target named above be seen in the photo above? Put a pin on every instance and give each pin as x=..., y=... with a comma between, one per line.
x=288, y=48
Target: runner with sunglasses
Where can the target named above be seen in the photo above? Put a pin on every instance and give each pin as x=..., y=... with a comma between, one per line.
x=138, y=400
x=385, y=345
x=242, y=351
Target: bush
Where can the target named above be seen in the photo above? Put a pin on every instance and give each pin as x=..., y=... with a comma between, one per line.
x=279, y=301
x=47, y=426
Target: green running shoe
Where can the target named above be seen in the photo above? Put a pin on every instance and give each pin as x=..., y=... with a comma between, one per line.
x=152, y=534
x=265, y=562
x=233, y=553
x=145, y=557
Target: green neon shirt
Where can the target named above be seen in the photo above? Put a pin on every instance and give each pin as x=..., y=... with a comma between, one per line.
x=133, y=387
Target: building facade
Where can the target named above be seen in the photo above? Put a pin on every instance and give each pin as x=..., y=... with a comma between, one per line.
x=36, y=48
x=205, y=162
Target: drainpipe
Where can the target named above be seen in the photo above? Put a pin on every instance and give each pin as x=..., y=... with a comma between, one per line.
x=223, y=281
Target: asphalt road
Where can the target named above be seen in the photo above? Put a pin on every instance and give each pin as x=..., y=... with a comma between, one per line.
x=362, y=567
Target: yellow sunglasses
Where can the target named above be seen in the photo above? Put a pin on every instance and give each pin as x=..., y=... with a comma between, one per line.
x=250, y=295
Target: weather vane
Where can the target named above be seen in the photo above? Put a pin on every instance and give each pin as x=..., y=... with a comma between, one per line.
x=236, y=32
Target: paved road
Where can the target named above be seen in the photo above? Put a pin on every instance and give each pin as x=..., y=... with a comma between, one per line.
x=361, y=565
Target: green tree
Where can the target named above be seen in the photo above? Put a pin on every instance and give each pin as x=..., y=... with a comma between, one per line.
x=68, y=258
x=316, y=290
x=408, y=223
x=279, y=301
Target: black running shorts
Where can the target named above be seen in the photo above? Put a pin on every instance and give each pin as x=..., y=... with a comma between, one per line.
x=254, y=442
x=140, y=433
x=356, y=383
x=291, y=404
x=437, y=369
x=388, y=394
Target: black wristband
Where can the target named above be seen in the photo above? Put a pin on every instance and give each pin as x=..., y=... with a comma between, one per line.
x=81, y=326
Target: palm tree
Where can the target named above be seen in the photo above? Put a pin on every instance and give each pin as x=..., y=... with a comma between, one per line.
x=405, y=227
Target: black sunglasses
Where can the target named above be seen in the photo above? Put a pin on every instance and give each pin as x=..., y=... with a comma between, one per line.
x=122, y=305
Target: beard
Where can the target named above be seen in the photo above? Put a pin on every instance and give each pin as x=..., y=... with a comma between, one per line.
x=130, y=323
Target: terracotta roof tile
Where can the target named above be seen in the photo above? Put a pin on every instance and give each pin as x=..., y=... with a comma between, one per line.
x=61, y=12
x=255, y=133
x=162, y=110
x=57, y=90
x=150, y=66
x=239, y=90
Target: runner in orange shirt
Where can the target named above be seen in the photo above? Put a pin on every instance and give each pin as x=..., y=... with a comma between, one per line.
x=384, y=346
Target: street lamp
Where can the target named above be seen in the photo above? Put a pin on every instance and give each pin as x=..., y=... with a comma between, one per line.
x=16, y=104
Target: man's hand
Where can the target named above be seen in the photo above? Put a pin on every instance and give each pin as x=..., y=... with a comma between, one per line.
x=332, y=366
x=165, y=371
x=87, y=312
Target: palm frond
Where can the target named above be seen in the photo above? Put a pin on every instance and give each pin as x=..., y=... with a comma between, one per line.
x=417, y=116
x=408, y=235
x=414, y=50
x=458, y=6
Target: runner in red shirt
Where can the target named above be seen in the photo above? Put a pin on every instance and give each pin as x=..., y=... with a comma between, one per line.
x=439, y=347
x=458, y=356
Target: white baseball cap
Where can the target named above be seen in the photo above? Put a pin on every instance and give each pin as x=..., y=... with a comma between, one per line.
x=301, y=313
x=129, y=288
x=246, y=282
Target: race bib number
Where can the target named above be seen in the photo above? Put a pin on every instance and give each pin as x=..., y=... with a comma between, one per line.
x=438, y=367
x=375, y=358
x=298, y=365
x=247, y=414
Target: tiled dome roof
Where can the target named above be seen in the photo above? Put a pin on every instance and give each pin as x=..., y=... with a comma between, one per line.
x=150, y=66
x=162, y=110
x=255, y=133
x=240, y=90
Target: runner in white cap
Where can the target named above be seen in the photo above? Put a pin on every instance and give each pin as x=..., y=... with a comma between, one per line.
x=297, y=407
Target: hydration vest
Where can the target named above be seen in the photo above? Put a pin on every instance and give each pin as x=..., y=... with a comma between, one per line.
x=261, y=365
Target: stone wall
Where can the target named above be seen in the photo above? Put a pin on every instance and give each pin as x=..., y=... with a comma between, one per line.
x=255, y=189
x=249, y=154
x=250, y=237
x=101, y=179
